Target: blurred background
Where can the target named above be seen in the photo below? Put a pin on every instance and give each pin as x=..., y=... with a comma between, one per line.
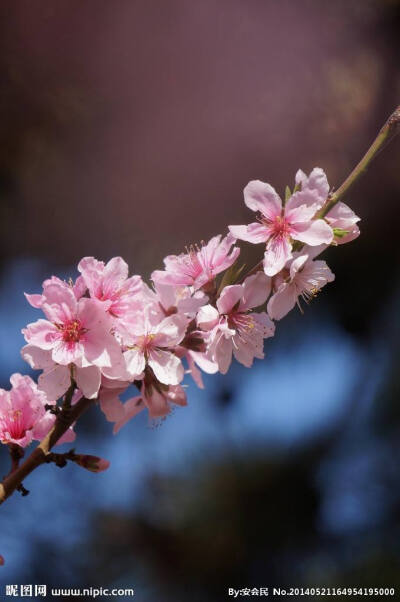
x=130, y=128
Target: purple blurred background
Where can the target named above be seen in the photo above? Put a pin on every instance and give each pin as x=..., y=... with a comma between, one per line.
x=130, y=128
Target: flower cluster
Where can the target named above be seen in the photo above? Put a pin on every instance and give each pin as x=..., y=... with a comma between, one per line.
x=107, y=331
x=23, y=413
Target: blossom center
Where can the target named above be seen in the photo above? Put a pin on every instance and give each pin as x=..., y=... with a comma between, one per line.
x=72, y=331
x=281, y=227
x=190, y=264
x=15, y=425
x=145, y=342
x=241, y=322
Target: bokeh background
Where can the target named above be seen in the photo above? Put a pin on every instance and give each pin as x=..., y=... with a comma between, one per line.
x=130, y=128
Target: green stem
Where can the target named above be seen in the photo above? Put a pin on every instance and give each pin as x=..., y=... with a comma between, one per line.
x=386, y=134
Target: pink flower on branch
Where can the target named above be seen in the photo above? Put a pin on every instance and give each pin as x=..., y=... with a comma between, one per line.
x=55, y=379
x=343, y=221
x=114, y=409
x=23, y=414
x=109, y=283
x=37, y=300
x=232, y=326
x=158, y=399
x=150, y=343
x=153, y=395
x=75, y=331
x=279, y=225
x=177, y=300
x=304, y=279
x=200, y=265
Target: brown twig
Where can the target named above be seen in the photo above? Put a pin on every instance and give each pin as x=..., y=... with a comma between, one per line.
x=16, y=453
x=386, y=135
x=64, y=420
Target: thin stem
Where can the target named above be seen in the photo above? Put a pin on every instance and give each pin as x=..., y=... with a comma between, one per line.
x=68, y=395
x=386, y=134
x=63, y=421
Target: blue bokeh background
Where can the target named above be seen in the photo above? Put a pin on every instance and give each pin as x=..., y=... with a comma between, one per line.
x=130, y=129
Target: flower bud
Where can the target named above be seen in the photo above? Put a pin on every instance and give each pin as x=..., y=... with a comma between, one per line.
x=92, y=463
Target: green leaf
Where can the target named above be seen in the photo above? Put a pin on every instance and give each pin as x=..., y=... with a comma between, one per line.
x=230, y=277
x=288, y=194
x=239, y=272
x=339, y=233
x=227, y=279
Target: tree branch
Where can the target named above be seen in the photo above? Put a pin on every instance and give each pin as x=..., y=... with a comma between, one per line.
x=386, y=135
x=64, y=420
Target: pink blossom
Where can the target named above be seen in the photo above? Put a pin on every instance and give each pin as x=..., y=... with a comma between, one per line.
x=343, y=220
x=196, y=360
x=199, y=266
x=279, y=226
x=76, y=331
x=149, y=344
x=178, y=300
x=113, y=408
x=158, y=400
x=305, y=279
x=233, y=327
x=37, y=300
x=55, y=379
x=313, y=189
x=182, y=300
x=23, y=416
x=126, y=411
x=109, y=283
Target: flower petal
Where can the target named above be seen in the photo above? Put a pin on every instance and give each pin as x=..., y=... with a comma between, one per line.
x=262, y=197
x=170, y=331
x=177, y=395
x=88, y=380
x=166, y=366
x=41, y=334
x=67, y=353
x=278, y=252
x=256, y=289
x=297, y=264
x=223, y=354
x=207, y=317
x=156, y=403
x=135, y=362
x=314, y=233
x=131, y=407
x=55, y=382
x=316, y=181
x=115, y=273
x=228, y=298
x=111, y=405
x=37, y=358
x=282, y=301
